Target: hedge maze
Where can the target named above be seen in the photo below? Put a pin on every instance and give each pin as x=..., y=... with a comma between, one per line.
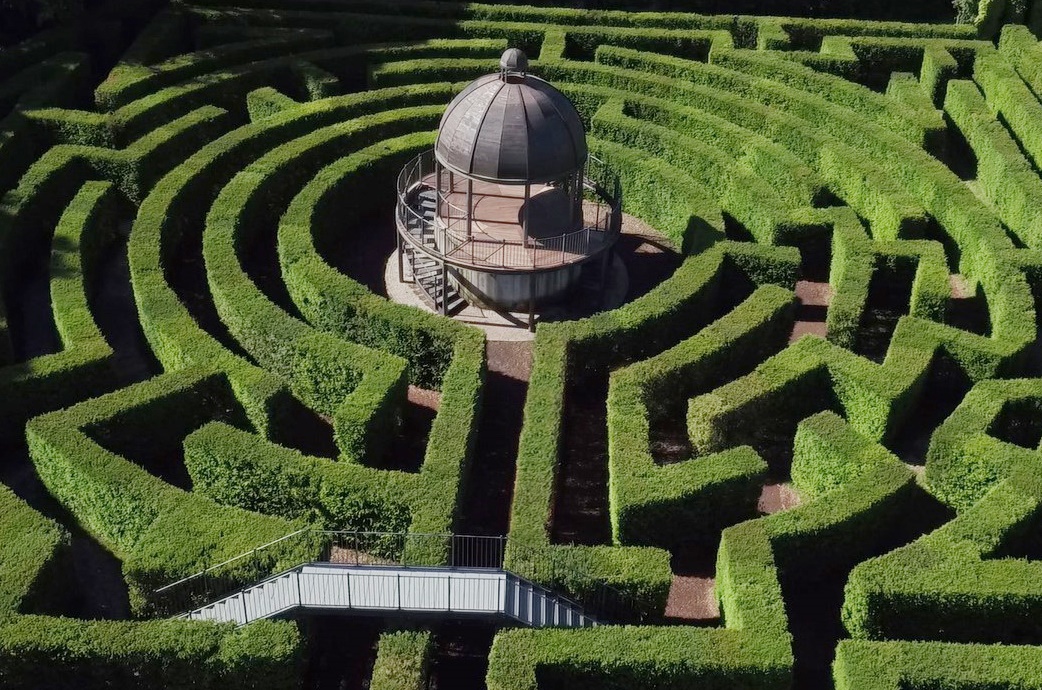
x=191, y=367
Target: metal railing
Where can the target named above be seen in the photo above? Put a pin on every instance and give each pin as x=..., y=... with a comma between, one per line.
x=445, y=236
x=362, y=590
x=389, y=549
x=311, y=545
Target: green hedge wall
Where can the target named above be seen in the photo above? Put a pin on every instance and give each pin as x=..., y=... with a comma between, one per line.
x=33, y=558
x=693, y=500
x=341, y=194
x=858, y=498
x=326, y=372
x=855, y=259
x=236, y=468
x=1008, y=94
x=175, y=208
x=441, y=353
x=852, y=488
x=401, y=661
x=922, y=665
x=65, y=653
x=83, y=368
x=1003, y=172
x=959, y=582
x=131, y=511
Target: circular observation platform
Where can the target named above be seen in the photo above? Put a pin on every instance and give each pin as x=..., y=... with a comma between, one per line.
x=503, y=246
x=509, y=205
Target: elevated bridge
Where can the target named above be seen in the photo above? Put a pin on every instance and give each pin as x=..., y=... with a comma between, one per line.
x=398, y=591
x=379, y=574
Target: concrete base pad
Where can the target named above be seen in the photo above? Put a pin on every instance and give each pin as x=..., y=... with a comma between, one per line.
x=513, y=326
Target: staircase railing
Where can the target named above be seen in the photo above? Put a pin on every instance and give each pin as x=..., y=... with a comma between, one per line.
x=398, y=549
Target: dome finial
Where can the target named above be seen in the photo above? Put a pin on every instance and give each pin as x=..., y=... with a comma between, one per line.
x=513, y=62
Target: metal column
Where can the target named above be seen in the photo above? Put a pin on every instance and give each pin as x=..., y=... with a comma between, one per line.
x=444, y=289
x=531, y=303
x=470, y=205
x=401, y=250
x=524, y=222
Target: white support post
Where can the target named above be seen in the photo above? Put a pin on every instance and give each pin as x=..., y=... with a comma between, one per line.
x=531, y=303
x=401, y=250
x=437, y=190
x=470, y=205
x=524, y=221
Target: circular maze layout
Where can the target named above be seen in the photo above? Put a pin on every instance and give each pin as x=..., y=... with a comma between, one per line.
x=804, y=453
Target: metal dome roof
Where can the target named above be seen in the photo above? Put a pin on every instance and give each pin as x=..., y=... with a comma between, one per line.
x=511, y=127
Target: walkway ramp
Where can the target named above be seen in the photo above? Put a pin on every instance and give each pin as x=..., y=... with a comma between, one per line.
x=398, y=591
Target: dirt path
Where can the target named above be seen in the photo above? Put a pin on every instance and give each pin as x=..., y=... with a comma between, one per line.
x=186, y=274
x=581, y=494
x=489, y=487
x=341, y=652
x=95, y=584
x=460, y=658
x=692, y=596
x=409, y=447
x=363, y=256
x=811, y=310
x=776, y=497
x=111, y=301
x=29, y=315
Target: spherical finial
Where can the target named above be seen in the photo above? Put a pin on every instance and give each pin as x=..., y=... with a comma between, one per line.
x=514, y=61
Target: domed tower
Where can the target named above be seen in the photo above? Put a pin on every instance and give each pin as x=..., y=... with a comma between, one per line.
x=502, y=213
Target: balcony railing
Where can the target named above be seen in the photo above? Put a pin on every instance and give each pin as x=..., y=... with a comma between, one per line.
x=383, y=550
x=445, y=236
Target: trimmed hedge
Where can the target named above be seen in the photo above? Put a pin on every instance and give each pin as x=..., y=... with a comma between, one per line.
x=340, y=195
x=669, y=312
x=735, y=97
x=32, y=556
x=55, y=81
x=753, y=651
x=240, y=469
x=759, y=136
x=858, y=497
x=65, y=653
x=83, y=368
x=957, y=472
x=773, y=398
x=959, y=583
x=176, y=207
x=742, y=193
x=134, y=78
x=306, y=76
x=862, y=665
x=441, y=353
x=248, y=197
x=401, y=661
x=1022, y=49
x=855, y=259
x=359, y=387
x=1004, y=174
x=666, y=506
x=1008, y=94
x=134, y=513
x=853, y=484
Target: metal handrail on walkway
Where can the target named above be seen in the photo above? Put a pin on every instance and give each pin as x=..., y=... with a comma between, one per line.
x=371, y=551
x=389, y=591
